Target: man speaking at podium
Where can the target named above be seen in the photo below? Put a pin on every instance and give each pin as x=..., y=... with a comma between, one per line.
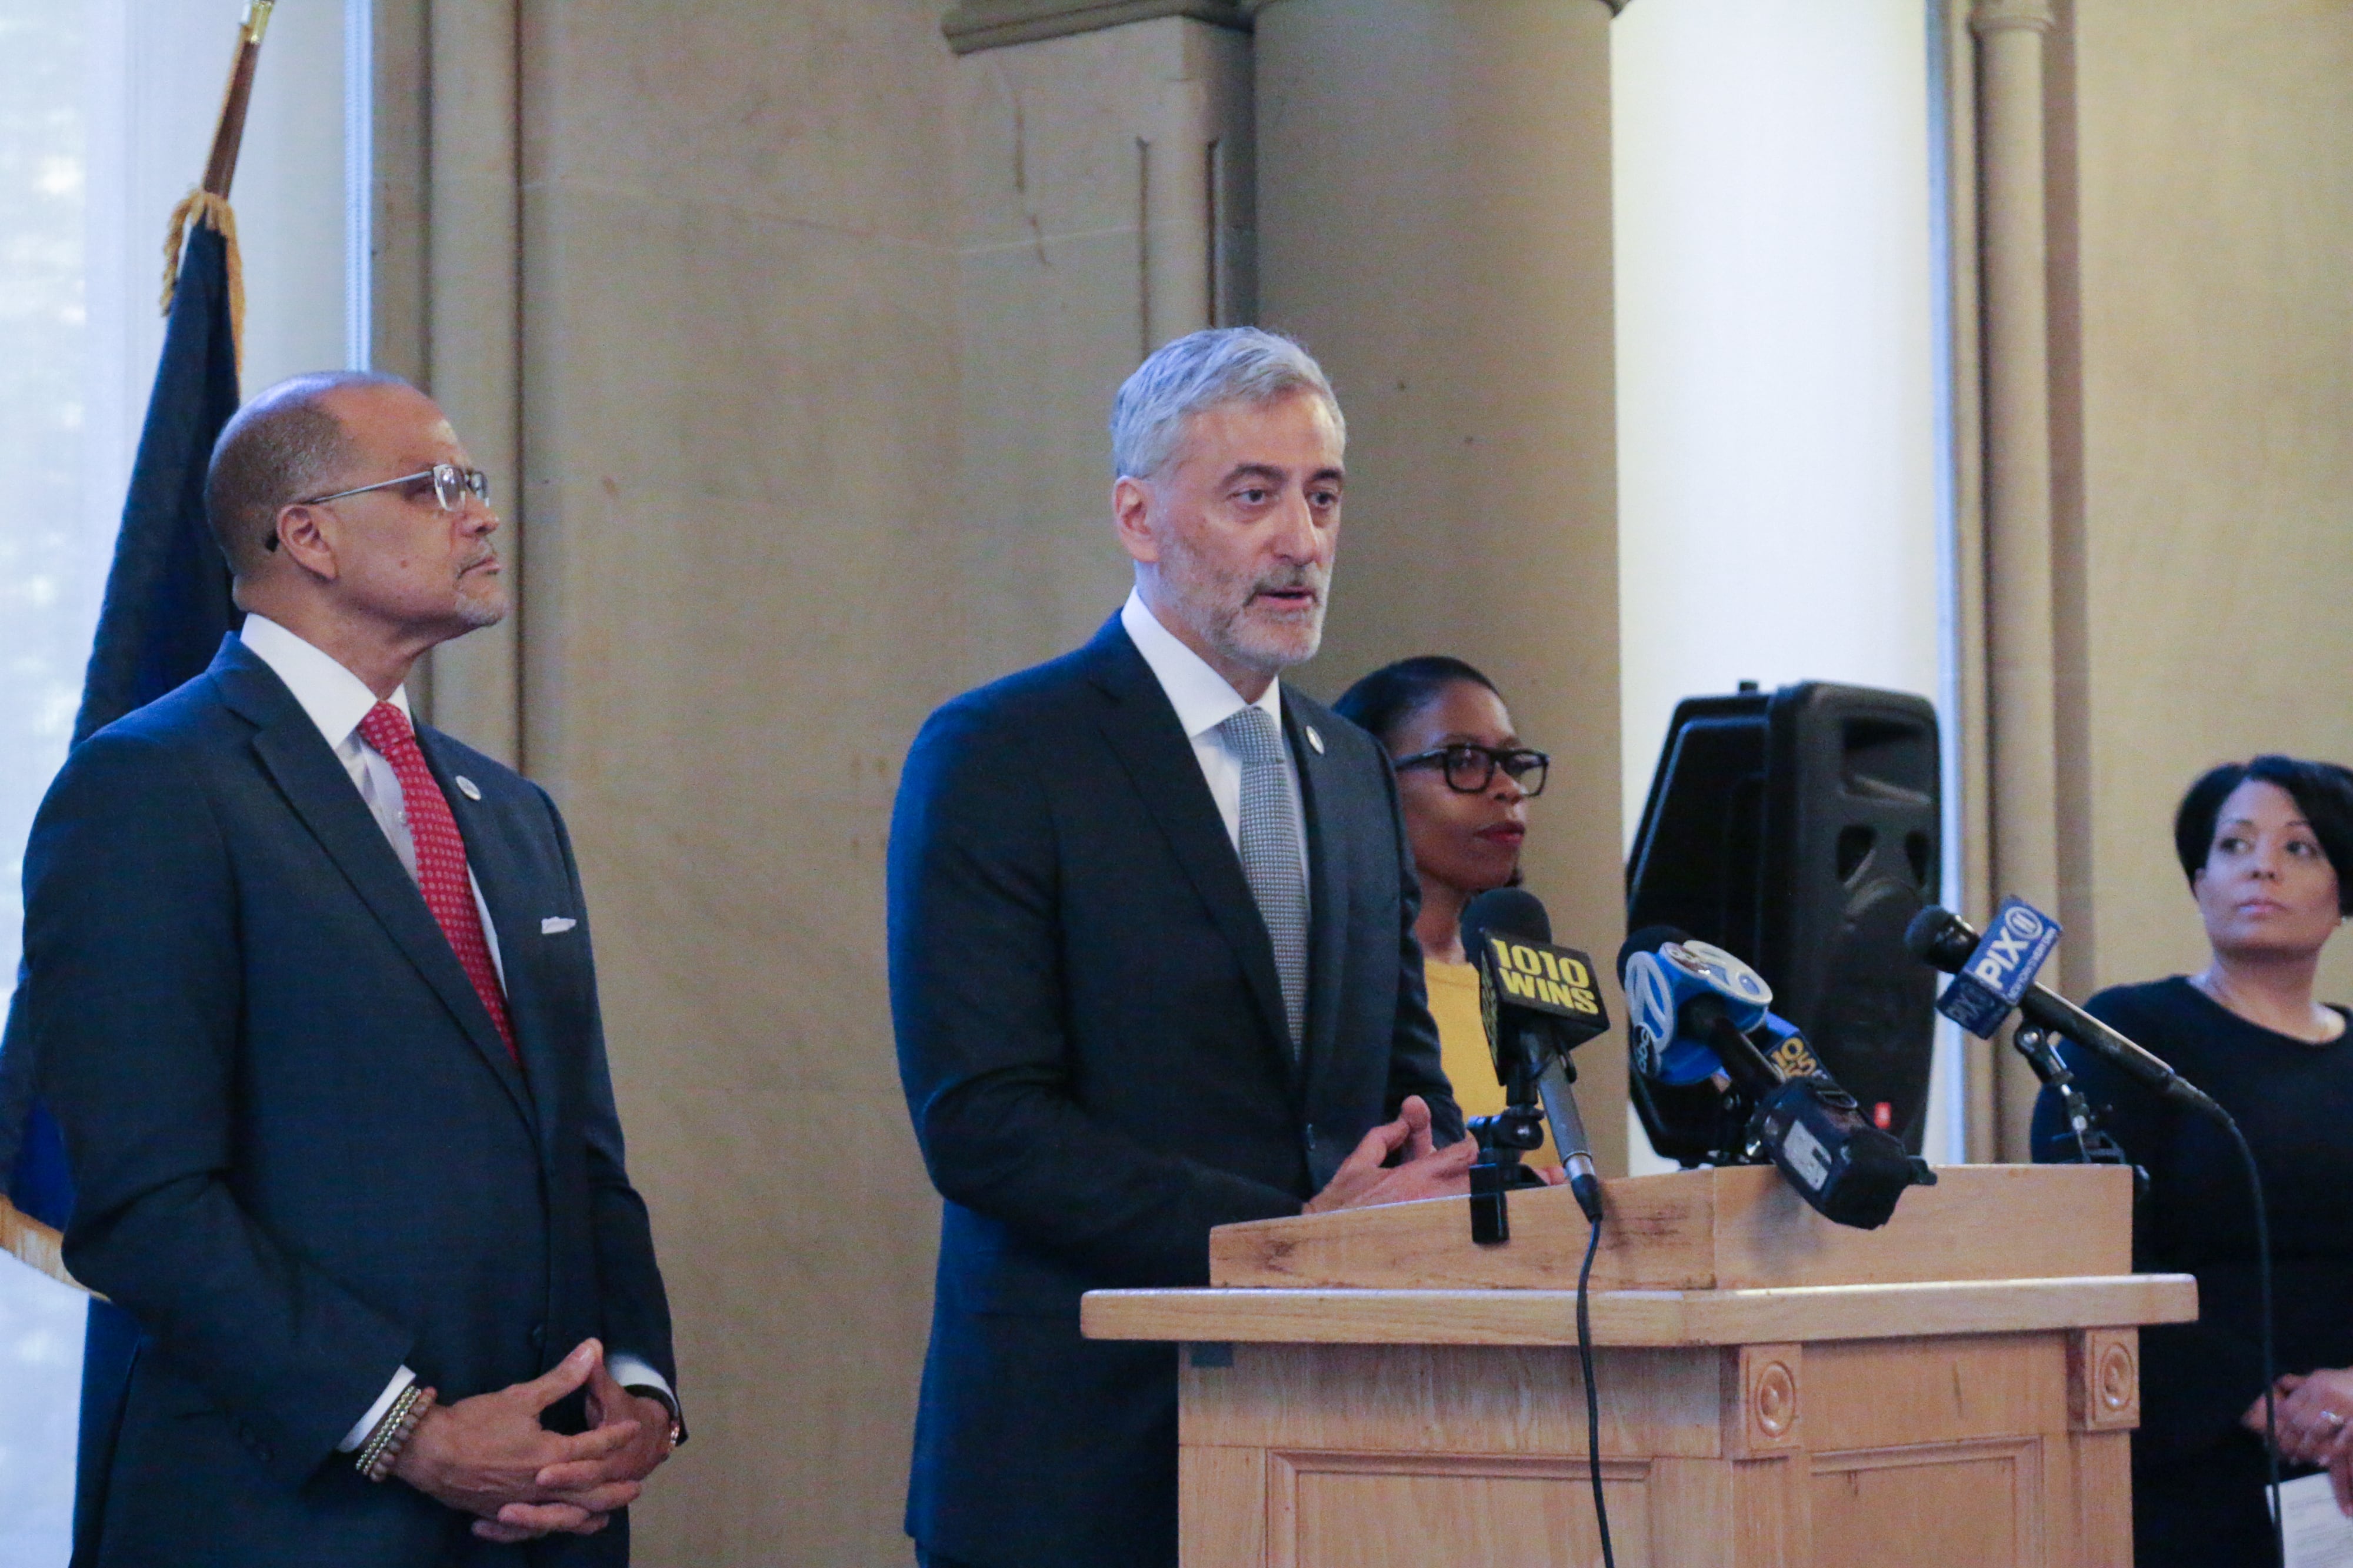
x=311, y=993
x=1152, y=968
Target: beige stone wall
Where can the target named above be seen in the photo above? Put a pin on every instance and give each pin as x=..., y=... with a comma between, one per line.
x=2216, y=254
x=2190, y=400
x=1072, y=262
x=739, y=430
x=1435, y=224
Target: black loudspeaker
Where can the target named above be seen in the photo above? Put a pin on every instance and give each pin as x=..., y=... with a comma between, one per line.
x=1800, y=830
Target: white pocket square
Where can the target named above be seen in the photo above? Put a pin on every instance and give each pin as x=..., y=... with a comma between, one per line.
x=555, y=923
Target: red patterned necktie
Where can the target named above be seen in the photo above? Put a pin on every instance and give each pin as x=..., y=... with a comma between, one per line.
x=440, y=858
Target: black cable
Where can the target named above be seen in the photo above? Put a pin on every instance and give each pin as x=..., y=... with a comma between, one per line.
x=1593, y=1395
x=2264, y=1297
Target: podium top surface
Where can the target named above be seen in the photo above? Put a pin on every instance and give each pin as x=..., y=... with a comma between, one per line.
x=1708, y=1230
x=1661, y=1319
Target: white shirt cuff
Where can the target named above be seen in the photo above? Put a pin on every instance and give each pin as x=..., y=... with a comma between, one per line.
x=392, y=1391
x=630, y=1373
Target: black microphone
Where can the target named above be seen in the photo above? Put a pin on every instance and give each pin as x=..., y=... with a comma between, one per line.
x=1942, y=939
x=1690, y=993
x=1541, y=1004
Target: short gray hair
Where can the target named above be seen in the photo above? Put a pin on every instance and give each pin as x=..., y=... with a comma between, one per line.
x=1197, y=372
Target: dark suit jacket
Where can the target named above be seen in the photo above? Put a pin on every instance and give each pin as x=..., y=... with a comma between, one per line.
x=302, y=1153
x=1092, y=1039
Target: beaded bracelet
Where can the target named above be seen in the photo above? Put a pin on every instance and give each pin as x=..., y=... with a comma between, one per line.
x=392, y=1434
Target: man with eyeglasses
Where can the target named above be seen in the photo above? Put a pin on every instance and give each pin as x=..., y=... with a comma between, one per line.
x=1152, y=968
x=317, y=1012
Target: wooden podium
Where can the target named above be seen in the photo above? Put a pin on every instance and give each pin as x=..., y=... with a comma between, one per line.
x=1370, y=1390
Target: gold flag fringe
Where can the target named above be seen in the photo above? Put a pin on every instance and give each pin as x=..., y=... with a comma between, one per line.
x=215, y=214
x=36, y=1245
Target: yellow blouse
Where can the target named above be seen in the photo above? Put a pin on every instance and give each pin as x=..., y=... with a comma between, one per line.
x=1463, y=1046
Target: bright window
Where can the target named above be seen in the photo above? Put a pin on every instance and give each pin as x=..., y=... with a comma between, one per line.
x=105, y=121
x=52, y=570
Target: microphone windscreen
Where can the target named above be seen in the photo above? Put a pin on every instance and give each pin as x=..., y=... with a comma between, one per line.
x=1941, y=939
x=1505, y=912
x=1650, y=938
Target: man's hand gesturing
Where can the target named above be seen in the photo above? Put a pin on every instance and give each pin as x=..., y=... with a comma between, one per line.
x=1423, y=1171
x=486, y=1455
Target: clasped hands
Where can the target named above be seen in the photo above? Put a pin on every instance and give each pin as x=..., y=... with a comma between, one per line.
x=2313, y=1414
x=488, y=1456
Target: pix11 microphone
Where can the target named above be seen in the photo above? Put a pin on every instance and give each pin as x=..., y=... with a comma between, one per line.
x=1692, y=1004
x=1540, y=1004
x=1998, y=970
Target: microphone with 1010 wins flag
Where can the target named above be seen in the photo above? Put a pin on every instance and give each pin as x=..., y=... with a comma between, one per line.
x=1540, y=1004
x=1541, y=978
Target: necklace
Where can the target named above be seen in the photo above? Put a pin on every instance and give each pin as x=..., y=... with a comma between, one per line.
x=2324, y=1019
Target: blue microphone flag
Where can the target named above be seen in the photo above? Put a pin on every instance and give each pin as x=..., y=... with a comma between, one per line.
x=2017, y=940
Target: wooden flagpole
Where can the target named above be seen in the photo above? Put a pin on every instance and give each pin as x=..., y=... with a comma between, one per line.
x=208, y=202
x=228, y=135
x=36, y=1245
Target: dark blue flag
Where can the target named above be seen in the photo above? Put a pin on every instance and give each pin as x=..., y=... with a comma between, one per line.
x=166, y=607
x=168, y=600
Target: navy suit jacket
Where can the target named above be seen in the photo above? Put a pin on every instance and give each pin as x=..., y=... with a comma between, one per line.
x=302, y=1154
x=1092, y=1039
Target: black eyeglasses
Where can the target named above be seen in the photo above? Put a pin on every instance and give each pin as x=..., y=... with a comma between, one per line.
x=1470, y=769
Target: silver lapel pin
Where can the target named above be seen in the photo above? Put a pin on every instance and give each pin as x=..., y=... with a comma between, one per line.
x=1314, y=738
x=468, y=788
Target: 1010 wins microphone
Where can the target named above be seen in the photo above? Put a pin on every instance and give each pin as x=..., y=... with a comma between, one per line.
x=1996, y=973
x=1540, y=1004
x=1692, y=1008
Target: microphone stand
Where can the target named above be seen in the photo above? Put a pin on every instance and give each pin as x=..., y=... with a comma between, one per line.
x=1541, y=1074
x=1539, y=1092
x=1502, y=1139
x=2092, y=1144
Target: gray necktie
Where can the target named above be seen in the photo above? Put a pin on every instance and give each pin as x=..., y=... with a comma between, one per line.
x=1271, y=857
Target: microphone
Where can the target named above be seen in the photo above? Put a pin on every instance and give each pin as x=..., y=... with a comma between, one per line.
x=1540, y=1004
x=1995, y=973
x=1693, y=1008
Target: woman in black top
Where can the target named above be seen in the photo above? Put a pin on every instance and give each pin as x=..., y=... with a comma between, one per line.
x=2261, y=844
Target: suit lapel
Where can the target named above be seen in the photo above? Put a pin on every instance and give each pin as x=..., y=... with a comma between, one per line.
x=1143, y=730
x=490, y=853
x=1327, y=886
x=315, y=785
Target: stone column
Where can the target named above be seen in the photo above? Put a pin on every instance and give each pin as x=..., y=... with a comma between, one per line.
x=2020, y=650
x=474, y=334
x=1434, y=214
x=1102, y=206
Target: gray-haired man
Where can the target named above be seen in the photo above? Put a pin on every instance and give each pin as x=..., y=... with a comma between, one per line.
x=1152, y=967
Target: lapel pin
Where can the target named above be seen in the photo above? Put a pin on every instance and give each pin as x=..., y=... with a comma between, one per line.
x=472, y=791
x=1314, y=738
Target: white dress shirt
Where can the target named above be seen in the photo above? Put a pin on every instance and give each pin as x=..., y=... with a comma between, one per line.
x=1203, y=700
x=336, y=701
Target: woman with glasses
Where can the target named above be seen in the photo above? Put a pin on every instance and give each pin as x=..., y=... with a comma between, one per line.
x=1464, y=781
